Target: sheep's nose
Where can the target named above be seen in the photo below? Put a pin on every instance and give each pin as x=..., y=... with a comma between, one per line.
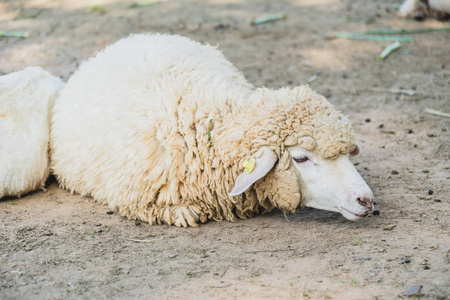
x=365, y=201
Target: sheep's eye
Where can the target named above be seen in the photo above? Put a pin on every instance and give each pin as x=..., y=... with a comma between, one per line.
x=301, y=159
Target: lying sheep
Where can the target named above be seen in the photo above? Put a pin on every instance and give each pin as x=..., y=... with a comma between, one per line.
x=159, y=127
x=25, y=99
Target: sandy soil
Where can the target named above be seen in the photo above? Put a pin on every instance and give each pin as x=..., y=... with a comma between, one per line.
x=54, y=245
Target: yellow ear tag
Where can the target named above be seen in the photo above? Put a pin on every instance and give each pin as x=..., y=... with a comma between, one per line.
x=249, y=165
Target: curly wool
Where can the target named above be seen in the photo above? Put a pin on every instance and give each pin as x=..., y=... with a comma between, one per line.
x=157, y=127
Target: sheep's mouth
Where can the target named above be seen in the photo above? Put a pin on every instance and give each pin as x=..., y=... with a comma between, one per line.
x=358, y=215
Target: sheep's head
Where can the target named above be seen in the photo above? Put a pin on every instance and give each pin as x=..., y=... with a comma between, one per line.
x=301, y=147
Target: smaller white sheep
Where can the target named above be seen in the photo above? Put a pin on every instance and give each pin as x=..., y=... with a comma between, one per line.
x=25, y=100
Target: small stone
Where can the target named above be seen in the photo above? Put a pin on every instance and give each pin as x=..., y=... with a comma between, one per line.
x=367, y=120
x=415, y=145
x=381, y=126
x=437, y=200
x=137, y=223
x=47, y=233
x=379, y=280
x=389, y=227
x=376, y=212
x=352, y=252
x=414, y=290
x=394, y=172
x=430, y=192
x=405, y=260
x=426, y=267
x=425, y=171
x=410, y=131
x=98, y=224
x=109, y=212
x=367, y=257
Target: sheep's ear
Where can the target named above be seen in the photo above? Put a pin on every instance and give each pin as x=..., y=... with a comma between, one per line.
x=262, y=166
x=355, y=151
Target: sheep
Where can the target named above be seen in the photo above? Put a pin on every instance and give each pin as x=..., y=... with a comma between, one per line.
x=164, y=129
x=25, y=99
x=438, y=8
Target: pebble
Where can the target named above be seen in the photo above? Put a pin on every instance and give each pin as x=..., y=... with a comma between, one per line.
x=394, y=172
x=426, y=267
x=367, y=257
x=381, y=126
x=223, y=285
x=376, y=212
x=404, y=260
x=109, y=212
x=437, y=200
x=415, y=289
x=389, y=227
x=410, y=131
x=367, y=120
x=379, y=280
x=137, y=223
x=430, y=192
x=98, y=224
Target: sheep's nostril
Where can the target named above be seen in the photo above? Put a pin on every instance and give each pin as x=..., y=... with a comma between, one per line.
x=366, y=202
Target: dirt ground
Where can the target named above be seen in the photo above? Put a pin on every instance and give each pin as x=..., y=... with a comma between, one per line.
x=54, y=245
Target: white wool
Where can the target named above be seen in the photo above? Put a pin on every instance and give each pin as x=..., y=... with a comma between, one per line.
x=407, y=7
x=440, y=5
x=25, y=99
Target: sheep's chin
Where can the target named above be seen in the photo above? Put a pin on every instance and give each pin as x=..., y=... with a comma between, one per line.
x=351, y=216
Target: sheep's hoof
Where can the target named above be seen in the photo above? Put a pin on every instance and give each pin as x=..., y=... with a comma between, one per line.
x=185, y=216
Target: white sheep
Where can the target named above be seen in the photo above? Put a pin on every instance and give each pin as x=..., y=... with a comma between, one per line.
x=25, y=99
x=159, y=126
x=410, y=6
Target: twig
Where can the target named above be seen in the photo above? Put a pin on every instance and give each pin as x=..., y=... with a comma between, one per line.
x=438, y=148
x=275, y=250
x=142, y=241
x=437, y=113
x=389, y=49
x=361, y=36
x=226, y=269
x=409, y=269
x=403, y=31
x=393, y=91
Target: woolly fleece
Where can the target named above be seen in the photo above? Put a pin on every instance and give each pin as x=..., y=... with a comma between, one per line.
x=25, y=99
x=158, y=126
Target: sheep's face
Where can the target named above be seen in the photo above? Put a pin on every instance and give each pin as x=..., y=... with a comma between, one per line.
x=304, y=178
x=331, y=184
